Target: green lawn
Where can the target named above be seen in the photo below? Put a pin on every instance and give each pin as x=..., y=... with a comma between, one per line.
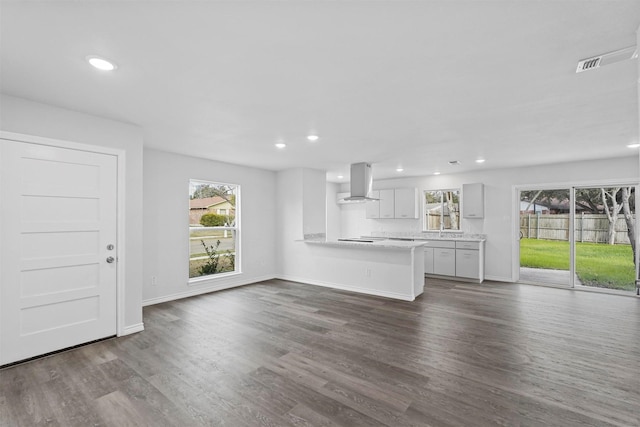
x=597, y=264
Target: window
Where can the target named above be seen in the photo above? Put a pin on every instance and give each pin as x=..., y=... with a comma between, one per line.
x=213, y=228
x=442, y=210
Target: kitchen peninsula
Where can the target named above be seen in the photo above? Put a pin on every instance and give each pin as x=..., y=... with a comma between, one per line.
x=388, y=268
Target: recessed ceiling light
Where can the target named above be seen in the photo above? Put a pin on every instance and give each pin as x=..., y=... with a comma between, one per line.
x=636, y=145
x=312, y=138
x=436, y=173
x=101, y=63
x=399, y=170
x=280, y=145
x=340, y=176
x=480, y=160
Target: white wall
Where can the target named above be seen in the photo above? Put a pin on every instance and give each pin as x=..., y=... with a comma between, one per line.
x=499, y=204
x=30, y=118
x=166, y=221
x=301, y=199
x=314, y=195
x=333, y=211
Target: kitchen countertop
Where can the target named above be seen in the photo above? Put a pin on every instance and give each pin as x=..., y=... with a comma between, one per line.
x=378, y=244
x=426, y=236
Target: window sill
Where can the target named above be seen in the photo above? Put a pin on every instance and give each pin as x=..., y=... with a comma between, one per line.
x=213, y=277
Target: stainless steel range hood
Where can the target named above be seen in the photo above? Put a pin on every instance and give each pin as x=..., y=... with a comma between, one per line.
x=361, y=183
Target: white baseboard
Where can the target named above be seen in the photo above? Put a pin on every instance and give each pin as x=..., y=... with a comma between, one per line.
x=132, y=329
x=393, y=295
x=204, y=290
x=499, y=279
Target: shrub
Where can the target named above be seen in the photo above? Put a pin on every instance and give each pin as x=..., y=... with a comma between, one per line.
x=214, y=220
x=217, y=261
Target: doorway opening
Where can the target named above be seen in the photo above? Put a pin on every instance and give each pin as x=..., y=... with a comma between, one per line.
x=545, y=255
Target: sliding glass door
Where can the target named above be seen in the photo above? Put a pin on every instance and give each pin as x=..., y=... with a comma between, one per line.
x=545, y=251
x=605, y=222
x=579, y=237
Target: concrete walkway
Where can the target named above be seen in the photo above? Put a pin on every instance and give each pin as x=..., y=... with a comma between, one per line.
x=546, y=276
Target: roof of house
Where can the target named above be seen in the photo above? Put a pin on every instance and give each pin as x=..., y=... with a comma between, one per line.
x=206, y=202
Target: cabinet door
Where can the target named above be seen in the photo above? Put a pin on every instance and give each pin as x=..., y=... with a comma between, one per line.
x=387, y=204
x=372, y=209
x=468, y=263
x=406, y=205
x=428, y=260
x=444, y=261
x=473, y=200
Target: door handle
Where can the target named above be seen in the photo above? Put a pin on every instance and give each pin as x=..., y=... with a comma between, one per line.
x=110, y=259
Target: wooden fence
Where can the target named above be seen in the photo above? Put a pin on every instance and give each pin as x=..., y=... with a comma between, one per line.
x=589, y=227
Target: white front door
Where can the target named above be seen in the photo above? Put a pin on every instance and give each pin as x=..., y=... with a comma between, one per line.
x=58, y=248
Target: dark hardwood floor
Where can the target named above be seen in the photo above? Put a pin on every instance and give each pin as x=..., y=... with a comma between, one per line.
x=285, y=354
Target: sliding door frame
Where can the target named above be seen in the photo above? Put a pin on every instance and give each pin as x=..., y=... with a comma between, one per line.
x=517, y=189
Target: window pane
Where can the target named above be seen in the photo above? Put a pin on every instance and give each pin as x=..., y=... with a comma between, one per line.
x=442, y=210
x=211, y=251
x=433, y=209
x=212, y=228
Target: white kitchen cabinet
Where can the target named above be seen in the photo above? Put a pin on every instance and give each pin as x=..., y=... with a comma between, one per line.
x=428, y=260
x=406, y=203
x=467, y=263
x=444, y=261
x=454, y=258
x=387, y=203
x=470, y=260
x=372, y=209
x=473, y=200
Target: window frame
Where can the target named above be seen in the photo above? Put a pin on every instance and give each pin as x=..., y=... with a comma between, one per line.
x=425, y=220
x=235, y=228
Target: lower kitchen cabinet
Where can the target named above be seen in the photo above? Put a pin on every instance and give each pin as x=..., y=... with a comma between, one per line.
x=428, y=260
x=456, y=259
x=444, y=261
x=467, y=263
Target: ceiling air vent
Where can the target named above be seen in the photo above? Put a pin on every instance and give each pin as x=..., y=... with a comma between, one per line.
x=607, y=58
x=454, y=163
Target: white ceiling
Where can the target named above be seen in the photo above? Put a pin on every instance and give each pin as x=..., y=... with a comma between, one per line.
x=396, y=83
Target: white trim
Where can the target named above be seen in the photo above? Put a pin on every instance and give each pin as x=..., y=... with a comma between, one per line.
x=120, y=155
x=216, y=277
x=204, y=290
x=498, y=279
x=132, y=329
x=392, y=295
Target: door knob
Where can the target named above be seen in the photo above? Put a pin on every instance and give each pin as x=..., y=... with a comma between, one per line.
x=110, y=259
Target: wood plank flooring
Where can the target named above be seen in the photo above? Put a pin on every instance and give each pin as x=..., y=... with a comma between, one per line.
x=286, y=354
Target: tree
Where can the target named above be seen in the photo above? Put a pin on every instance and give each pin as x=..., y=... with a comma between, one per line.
x=543, y=197
x=451, y=200
x=225, y=192
x=609, y=196
x=627, y=199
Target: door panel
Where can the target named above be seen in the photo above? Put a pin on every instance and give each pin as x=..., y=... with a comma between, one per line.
x=58, y=216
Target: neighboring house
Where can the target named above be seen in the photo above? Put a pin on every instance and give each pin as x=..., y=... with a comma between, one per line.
x=526, y=207
x=216, y=205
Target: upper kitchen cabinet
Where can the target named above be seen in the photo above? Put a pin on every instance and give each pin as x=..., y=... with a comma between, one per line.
x=387, y=204
x=406, y=203
x=372, y=209
x=394, y=203
x=473, y=200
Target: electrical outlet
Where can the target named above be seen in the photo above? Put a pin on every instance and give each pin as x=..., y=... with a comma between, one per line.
x=367, y=272
x=154, y=281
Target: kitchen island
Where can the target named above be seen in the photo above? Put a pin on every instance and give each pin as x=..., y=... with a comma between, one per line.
x=388, y=268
